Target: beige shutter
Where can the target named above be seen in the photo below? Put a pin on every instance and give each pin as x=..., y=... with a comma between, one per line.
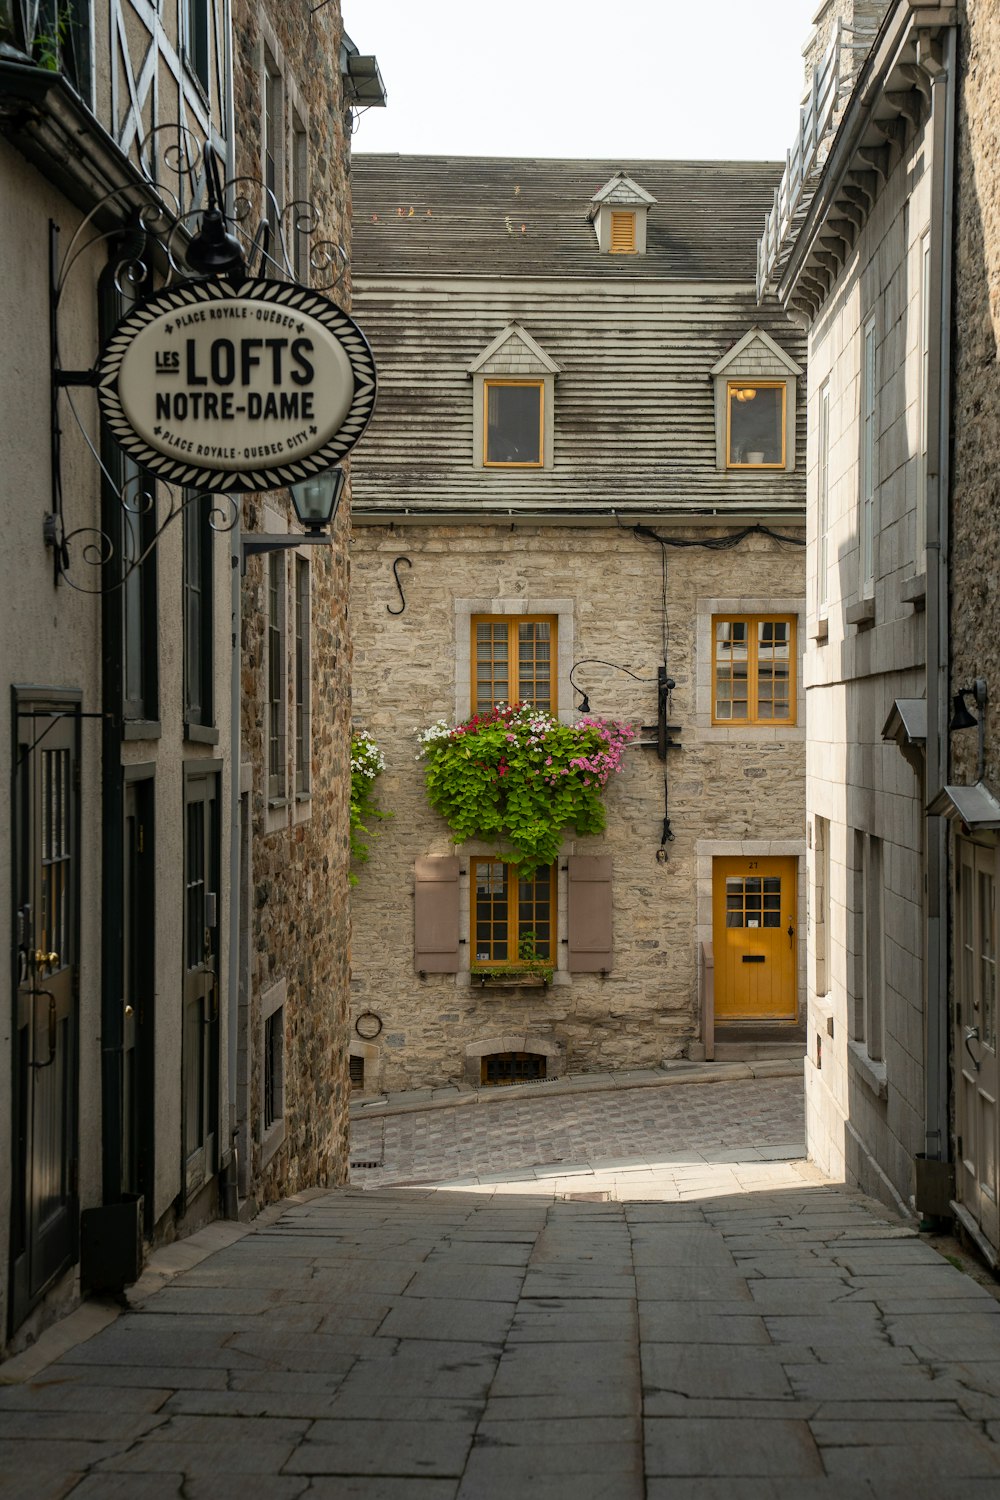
x=435, y=915
x=590, y=918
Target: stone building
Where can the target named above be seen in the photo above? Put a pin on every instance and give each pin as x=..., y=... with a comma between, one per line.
x=173, y=875
x=294, y=97
x=859, y=247
x=974, y=664
x=585, y=477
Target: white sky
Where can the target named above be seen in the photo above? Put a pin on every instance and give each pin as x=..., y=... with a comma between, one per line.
x=684, y=79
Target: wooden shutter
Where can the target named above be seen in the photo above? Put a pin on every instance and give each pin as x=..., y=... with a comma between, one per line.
x=435, y=915
x=590, y=915
x=622, y=234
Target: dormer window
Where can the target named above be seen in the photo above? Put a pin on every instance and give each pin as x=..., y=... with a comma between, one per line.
x=756, y=384
x=755, y=434
x=513, y=425
x=623, y=234
x=618, y=213
x=513, y=386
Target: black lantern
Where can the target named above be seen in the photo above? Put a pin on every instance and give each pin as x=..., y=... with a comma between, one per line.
x=316, y=499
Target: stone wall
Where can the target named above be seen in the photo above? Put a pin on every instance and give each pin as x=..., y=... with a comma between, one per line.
x=726, y=786
x=299, y=938
x=975, y=536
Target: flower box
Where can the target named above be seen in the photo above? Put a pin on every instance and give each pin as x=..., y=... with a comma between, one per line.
x=494, y=979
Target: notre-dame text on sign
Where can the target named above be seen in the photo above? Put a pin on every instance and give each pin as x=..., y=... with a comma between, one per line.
x=236, y=387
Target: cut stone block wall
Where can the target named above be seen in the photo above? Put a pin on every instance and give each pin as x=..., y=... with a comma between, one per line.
x=411, y=669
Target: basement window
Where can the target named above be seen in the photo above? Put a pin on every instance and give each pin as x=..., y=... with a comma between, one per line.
x=504, y=1068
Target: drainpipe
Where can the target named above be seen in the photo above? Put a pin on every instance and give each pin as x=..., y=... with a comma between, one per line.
x=230, y=1178
x=941, y=67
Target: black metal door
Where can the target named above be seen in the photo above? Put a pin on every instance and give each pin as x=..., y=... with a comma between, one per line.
x=138, y=1075
x=199, y=1105
x=45, y=1215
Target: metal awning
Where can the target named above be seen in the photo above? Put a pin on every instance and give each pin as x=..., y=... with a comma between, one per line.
x=975, y=806
x=907, y=722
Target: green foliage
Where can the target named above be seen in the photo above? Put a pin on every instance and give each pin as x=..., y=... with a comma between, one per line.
x=367, y=764
x=519, y=776
x=48, y=45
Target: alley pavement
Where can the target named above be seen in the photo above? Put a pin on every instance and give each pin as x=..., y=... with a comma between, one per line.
x=691, y=1319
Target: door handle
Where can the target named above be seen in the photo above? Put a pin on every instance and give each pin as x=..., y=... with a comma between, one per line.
x=972, y=1035
x=45, y=960
x=791, y=936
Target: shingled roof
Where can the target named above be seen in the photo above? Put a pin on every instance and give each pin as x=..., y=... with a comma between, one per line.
x=510, y=216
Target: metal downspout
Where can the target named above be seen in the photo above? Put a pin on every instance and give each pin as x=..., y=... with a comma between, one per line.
x=231, y=1177
x=937, y=1143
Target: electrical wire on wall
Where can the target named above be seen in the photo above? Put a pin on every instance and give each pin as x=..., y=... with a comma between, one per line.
x=710, y=544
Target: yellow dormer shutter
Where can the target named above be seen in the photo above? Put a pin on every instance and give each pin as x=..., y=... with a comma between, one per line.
x=622, y=234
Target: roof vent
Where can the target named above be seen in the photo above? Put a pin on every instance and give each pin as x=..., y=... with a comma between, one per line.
x=618, y=213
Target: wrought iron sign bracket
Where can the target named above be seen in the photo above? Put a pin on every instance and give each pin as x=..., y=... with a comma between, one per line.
x=184, y=230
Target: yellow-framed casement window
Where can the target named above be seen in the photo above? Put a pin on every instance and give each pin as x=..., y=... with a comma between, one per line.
x=753, y=669
x=513, y=424
x=513, y=661
x=755, y=424
x=623, y=234
x=513, y=917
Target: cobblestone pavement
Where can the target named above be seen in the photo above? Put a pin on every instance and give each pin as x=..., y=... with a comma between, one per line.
x=533, y=1339
x=623, y=1138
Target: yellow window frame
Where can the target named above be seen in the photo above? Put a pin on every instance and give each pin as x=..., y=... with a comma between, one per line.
x=623, y=234
x=753, y=718
x=732, y=386
x=494, y=463
x=513, y=940
x=512, y=622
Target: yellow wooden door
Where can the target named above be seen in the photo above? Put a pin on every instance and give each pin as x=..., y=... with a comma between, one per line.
x=754, y=931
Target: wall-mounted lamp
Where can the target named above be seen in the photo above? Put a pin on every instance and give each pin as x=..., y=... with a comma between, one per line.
x=316, y=501
x=213, y=251
x=963, y=718
x=961, y=715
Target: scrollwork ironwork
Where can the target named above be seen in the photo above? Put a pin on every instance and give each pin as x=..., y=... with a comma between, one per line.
x=153, y=222
x=101, y=550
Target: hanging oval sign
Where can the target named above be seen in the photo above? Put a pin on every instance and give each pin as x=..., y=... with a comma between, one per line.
x=249, y=386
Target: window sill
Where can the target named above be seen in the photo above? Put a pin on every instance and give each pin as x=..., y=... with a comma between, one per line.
x=861, y=614
x=274, y=803
x=873, y=1074
x=303, y=796
x=914, y=591
x=141, y=729
x=821, y=634
x=201, y=734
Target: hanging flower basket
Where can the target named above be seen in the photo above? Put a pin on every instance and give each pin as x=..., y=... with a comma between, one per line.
x=517, y=775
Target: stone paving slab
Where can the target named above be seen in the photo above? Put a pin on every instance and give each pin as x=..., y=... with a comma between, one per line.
x=700, y=1328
